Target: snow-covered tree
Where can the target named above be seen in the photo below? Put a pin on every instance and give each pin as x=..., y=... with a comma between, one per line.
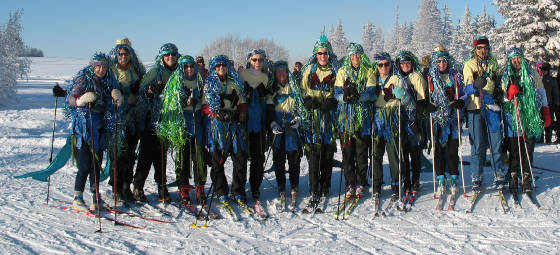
x=392, y=45
x=427, y=28
x=368, y=38
x=11, y=66
x=483, y=23
x=533, y=25
x=236, y=49
x=379, y=41
x=447, y=27
x=461, y=44
x=337, y=38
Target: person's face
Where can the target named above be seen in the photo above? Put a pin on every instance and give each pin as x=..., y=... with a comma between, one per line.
x=100, y=70
x=200, y=64
x=298, y=67
x=123, y=58
x=170, y=59
x=442, y=64
x=189, y=70
x=355, y=59
x=482, y=51
x=406, y=66
x=221, y=69
x=544, y=72
x=257, y=61
x=384, y=67
x=282, y=76
x=516, y=62
x=322, y=56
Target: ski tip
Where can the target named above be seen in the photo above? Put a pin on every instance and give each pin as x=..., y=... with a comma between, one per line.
x=194, y=225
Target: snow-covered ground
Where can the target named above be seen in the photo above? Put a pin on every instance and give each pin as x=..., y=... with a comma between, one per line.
x=29, y=227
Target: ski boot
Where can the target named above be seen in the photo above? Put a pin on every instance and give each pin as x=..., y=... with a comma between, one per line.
x=163, y=194
x=454, y=185
x=96, y=202
x=184, y=193
x=138, y=195
x=126, y=193
x=441, y=185
x=200, y=196
x=477, y=186
x=350, y=191
x=359, y=191
x=78, y=203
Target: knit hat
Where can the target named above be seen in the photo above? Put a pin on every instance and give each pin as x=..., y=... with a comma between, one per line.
x=514, y=52
x=99, y=58
x=168, y=48
x=481, y=39
x=199, y=59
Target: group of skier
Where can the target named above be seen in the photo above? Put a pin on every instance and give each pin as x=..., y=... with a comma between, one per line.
x=371, y=107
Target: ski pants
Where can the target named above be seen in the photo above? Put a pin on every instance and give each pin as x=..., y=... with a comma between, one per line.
x=217, y=173
x=125, y=163
x=256, y=169
x=355, y=159
x=188, y=158
x=279, y=156
x=514, y=160
x=411, y=167
x=446, y=156
x=480, y=139
x=320, y=161
x=86, y=168
x=152, y=152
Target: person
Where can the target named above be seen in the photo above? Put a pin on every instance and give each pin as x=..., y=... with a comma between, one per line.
x=285, y=126
x=525, y=99
x=201, y=67
x=386, y=126
x=445, y=82
x=128, y=71
x=259, y=106
x=297, y=72
x=355, y=90
x=317, y=87
x=224, y=102
x=90, y=104
x=181, y=125
x=553, y=99
x=152, y=150
x=410, y=77
x=483, y=112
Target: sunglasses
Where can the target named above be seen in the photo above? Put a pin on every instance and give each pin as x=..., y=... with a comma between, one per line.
x=406, y=62
x=169, y=54
x=221, y=65
x=441, y=61
x=386, y=64
x=189, y=66
x=123, y=54
x=257, y=60
x=322, y=53
x=482, y=47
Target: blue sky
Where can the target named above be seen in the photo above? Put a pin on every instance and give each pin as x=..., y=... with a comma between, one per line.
x=76, y=29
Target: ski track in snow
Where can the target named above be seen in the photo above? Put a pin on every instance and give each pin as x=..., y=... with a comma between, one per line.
x=29, y=227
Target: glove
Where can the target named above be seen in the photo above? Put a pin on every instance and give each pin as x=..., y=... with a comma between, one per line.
x=295, y=122
x=430, y=107
x=450, y=93
x=351, y=94
x=329, y=104
x=135, y=87
x=546, y=114
x=224, y=115
x=388, y=91
x=457, y=104
x=276, y=129
x=493, y=107
x=262, y=90
x=512, y=91
x=309, y=103
x=58, y=91
x=86, y=98
x=156, y=89
x=480, y=82
x=117, y=96
x=188, y=92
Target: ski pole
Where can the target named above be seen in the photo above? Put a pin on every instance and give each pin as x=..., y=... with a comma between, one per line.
x=400, y=151
x=115, y=160
x=460, y=138
x=209, y=205
x=525, y=141
x=342, y=168
x=433, y=154
x=52, y=146
x=488, y=136
x=94, y=163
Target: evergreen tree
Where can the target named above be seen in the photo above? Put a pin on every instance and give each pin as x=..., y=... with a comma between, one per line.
x=533, y=25
x=427, y=28
x=338, y=40
x=392, y=46
x=447, y=27
x=483, y=23
x=368, y=38
x=461, y=44
x=379, y=41
x=11, y=66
